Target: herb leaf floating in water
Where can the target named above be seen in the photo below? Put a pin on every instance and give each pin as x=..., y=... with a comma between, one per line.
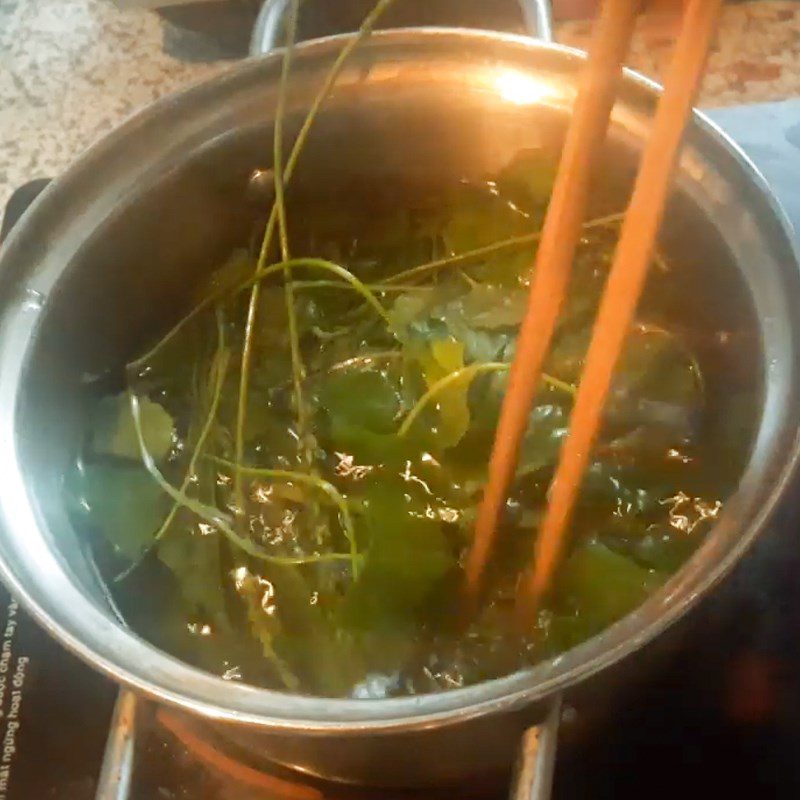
x=597, y=587
x=193, y=554
x=258, y=597
x=407, y=554
x=295, y=466
x=114, y=433
x=363, y=398
x=361, y=409
x=446, y=357
x=119, y=501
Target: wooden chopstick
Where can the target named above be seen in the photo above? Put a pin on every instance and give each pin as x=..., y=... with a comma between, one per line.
x=554, y=258
x=622, y=292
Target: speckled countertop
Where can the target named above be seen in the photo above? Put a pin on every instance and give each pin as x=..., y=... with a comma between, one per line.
x=72, y=69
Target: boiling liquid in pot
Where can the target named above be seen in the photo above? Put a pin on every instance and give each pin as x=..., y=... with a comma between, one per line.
x=364, y=483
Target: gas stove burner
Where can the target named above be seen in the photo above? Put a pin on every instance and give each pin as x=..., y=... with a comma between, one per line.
x=155, y=751
x=264, y=781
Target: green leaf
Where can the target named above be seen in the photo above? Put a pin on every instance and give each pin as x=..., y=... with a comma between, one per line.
x=407, y=309
x=192, y=553
x=440, y=359
x=362, y=409
x=407, y=557
x=657, y=383
x=488, y=307
x=234, y=272
x=310, y=644
x=120, y=501
x=530, y=176
x=418, y=316
x=603, y=586
x=566, y=357
x=541, y=445
x=609, y=487
x=258, y=595
x=655, y=365
x=114, y=433
x=665, y=548
x=668, y=542
x=483, y=319
x=367, y=398
x=373, y=448
x=480, y=216
x=313, y=309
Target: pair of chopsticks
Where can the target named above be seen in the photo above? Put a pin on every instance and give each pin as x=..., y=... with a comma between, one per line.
x=624, y=286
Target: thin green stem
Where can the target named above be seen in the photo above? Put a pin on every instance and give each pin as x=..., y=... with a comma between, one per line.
x=283, y=235
x=330, y=79
x=327, y=266
x=355, y=361
x=140, y=361
x=468, y=374
x=377, y=288
x=360, y=361
x=557, y=383
x=213, y=516
x=218, y=372
x=244, y=385
x=298, y=368
x=514, y=243
x=287, y=476
x=277, y=137
x=364, y=31
x=328, y=336
x=252, y=314
x=413, y=273
x=468, y=257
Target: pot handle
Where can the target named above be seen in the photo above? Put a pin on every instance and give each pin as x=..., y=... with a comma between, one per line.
x=533, y=776
x=537, y=14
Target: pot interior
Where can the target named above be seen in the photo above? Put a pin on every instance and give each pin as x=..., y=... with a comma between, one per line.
x=111, y=253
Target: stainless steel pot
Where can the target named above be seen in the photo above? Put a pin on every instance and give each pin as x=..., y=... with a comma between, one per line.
x=102, y=259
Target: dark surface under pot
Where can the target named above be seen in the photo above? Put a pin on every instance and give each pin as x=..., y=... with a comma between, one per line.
x=722, y=702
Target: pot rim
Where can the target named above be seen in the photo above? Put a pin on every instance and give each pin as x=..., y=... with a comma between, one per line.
x=192, y=690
